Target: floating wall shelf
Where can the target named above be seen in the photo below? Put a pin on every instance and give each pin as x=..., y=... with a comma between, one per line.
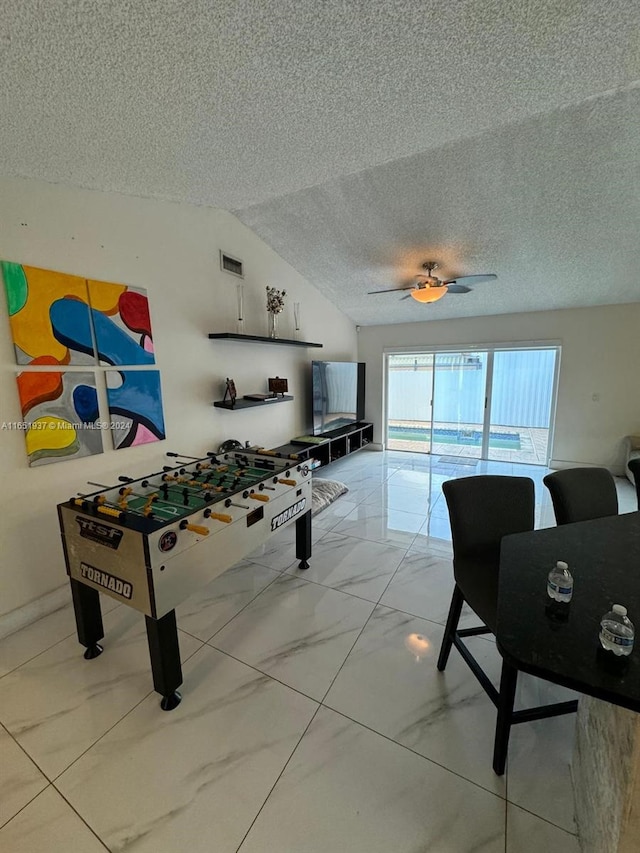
x=241, y=403
x=259, y=339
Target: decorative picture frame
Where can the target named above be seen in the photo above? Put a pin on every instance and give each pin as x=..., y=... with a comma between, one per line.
x=230, y=392
x=278, y=385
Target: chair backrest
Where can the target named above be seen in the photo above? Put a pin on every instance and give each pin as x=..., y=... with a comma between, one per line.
x=580, y=494
x=485, y=508
x=634, y=467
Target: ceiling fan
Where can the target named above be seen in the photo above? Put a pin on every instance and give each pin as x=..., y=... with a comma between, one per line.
x=429, y=288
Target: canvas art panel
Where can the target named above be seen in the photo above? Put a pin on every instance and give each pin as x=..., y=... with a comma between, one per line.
x=135, y=407
x=122, y=323
x=48, y=314
x=60, y=415
x=56, y=318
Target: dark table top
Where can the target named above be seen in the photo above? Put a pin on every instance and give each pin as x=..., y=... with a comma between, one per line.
x=604, y=559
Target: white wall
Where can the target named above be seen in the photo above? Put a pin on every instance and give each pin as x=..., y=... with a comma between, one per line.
x=172, y=250
x=600, y=356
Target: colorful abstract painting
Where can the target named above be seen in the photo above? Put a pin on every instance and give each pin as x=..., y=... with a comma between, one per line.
x=123, y=326
x=49, y=315
x=135, y=407
x=52, y=315
x=59, y=411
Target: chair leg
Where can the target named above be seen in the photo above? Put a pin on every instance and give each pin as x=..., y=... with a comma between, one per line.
x=457, y=600
x=506, y=699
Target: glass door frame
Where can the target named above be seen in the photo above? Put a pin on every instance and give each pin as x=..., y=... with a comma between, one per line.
x=488, y=389
x=490, y=349
x=387, y=356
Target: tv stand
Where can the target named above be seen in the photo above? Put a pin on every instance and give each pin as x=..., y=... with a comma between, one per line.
x=333, y=445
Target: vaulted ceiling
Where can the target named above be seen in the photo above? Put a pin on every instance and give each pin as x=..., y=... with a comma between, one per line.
x=357, y=138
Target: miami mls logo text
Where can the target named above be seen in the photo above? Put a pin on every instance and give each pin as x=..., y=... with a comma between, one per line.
x=288, y=514
x=106, y=581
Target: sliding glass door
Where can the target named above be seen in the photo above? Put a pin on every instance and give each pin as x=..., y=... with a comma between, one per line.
x=458, y=403
x=410, y=395
x=481, y=403
x=521, y=405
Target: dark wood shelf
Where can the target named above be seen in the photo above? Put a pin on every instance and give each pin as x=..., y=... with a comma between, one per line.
x=241, y=403
x=259, y=339
x=339, y=443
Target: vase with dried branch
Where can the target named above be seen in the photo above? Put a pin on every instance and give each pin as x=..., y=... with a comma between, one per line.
x=275, y=306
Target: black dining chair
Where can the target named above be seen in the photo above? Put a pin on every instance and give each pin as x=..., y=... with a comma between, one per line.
x=482, y=510
x=634, y=467
x=582, y=494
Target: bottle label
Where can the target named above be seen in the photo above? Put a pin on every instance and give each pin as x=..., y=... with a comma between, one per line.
x=615, y=639
x=560, y=590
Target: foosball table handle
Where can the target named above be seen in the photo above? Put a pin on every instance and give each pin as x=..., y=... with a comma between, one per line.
x=107, y=510
x=194, y=528
x=219, y=516
x=257, y=497
x=288, y=482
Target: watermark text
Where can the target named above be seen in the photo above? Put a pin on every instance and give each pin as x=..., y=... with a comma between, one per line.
x=50, y=425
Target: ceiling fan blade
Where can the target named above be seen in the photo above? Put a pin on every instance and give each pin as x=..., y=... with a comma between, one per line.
x=458, y=288
x=391, y=290
x=471, y=279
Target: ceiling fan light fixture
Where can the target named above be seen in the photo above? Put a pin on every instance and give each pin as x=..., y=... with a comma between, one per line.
x=429, y=294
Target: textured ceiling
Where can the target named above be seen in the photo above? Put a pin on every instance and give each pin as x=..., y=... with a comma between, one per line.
x=357, y=138
x=552, y=205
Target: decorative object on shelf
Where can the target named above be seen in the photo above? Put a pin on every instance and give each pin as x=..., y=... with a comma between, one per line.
x=230, y=393
x=240, y=311
x=296, y=320
x=278, y=386
x=275, y=306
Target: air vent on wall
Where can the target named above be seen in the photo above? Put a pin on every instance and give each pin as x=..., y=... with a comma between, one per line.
x=232, y=265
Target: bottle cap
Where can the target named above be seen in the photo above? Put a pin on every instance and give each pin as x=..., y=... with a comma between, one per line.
x=618, y=608
x=562, y=565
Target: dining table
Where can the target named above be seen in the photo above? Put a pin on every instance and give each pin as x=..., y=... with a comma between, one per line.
x=559, y=642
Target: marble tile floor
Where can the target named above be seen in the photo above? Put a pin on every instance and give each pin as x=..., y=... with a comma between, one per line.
x=313, y=718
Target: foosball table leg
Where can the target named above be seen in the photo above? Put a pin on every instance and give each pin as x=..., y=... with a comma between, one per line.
x=164, y=651
x=86, y=605
x=303, y=539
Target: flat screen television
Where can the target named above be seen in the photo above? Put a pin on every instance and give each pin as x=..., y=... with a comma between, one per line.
x=338, y=394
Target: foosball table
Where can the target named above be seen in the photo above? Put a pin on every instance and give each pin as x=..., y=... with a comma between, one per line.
x=150, y=543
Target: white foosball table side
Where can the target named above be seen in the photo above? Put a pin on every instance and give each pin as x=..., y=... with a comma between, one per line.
x=137, y=573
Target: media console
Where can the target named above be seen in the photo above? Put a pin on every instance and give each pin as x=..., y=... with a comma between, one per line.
x=330, y=446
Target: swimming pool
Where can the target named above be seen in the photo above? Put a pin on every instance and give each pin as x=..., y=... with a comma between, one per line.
x=465, y=437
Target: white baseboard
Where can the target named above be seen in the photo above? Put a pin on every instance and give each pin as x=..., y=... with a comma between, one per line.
x=560, y=464
x=28, y=613
x=572, y=463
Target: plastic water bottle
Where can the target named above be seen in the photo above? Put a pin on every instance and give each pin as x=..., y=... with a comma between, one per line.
x=617, y=631
x=560, y=583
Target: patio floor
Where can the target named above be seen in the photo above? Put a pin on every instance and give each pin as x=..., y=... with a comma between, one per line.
x=533, y=442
